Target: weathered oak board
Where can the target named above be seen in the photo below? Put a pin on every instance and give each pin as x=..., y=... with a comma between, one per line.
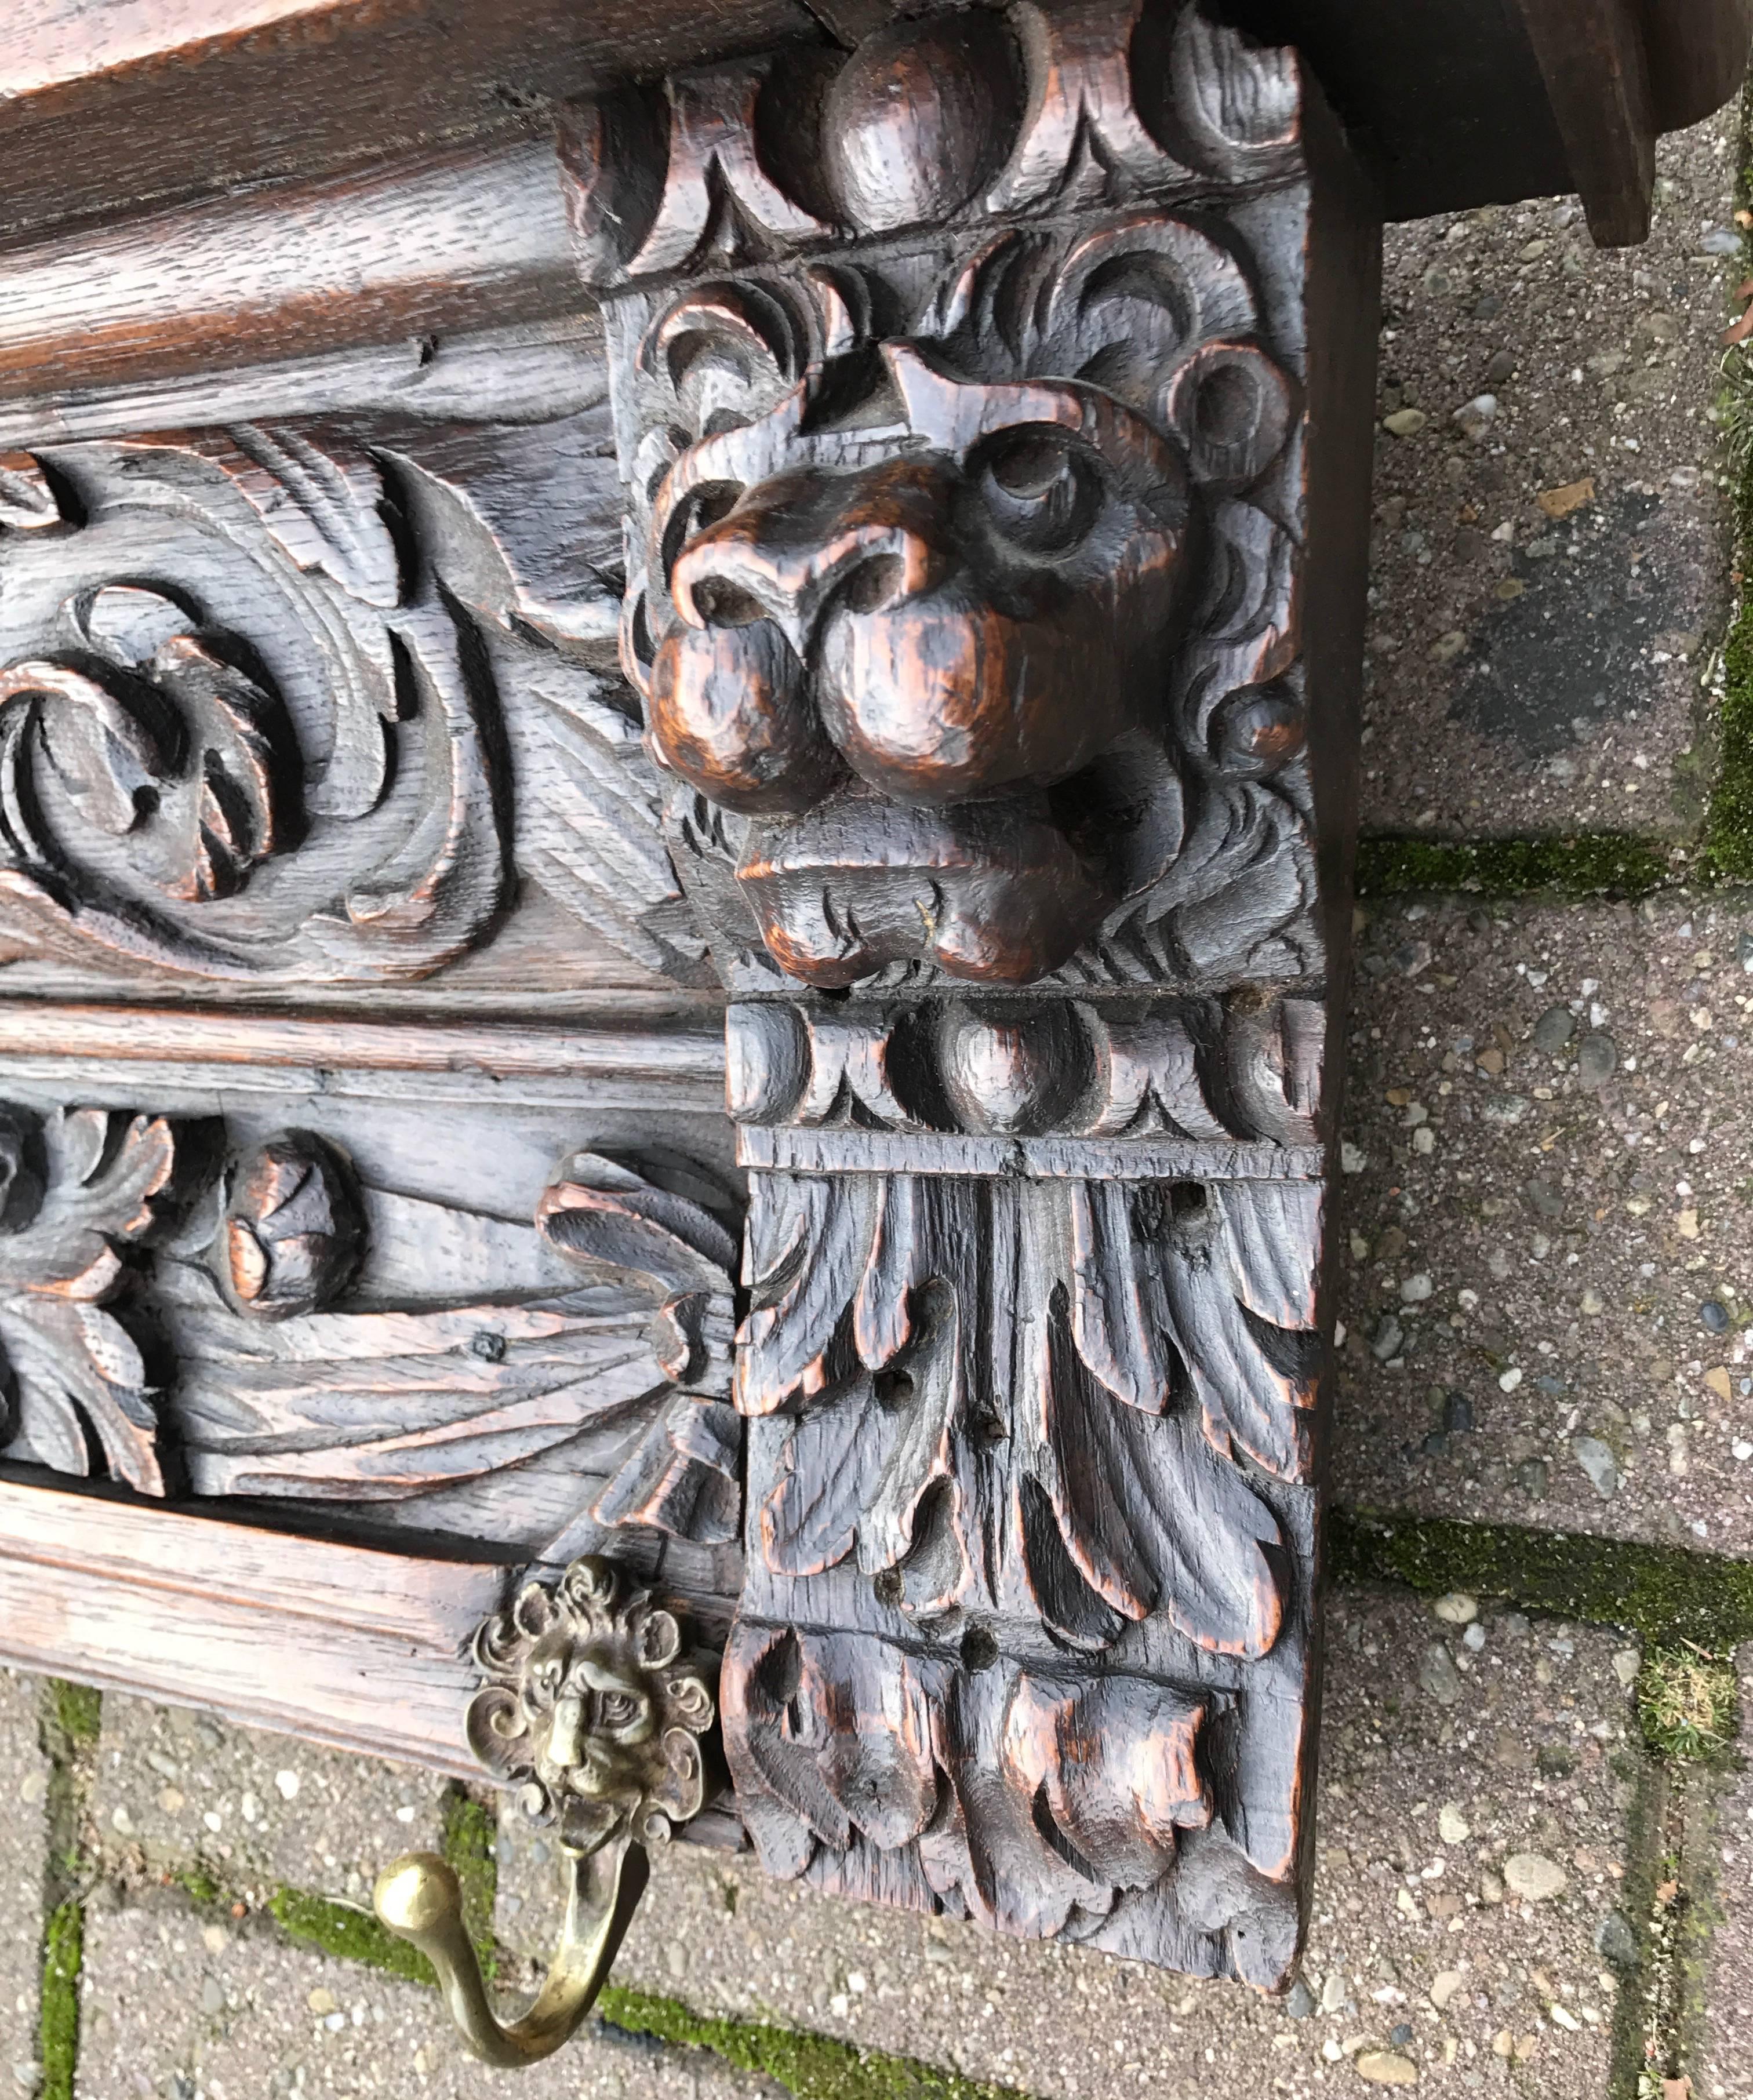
x=998, y=423
x=267, y=1628
x=1462, y=103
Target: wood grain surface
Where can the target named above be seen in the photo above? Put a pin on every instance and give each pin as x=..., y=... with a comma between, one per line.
x=474, y=236
x=1595, y=56
x=1449, y=96
x=343, y=1644
x=692, y=1059
x=252, y=90
x=526, y=535
x=996, y=446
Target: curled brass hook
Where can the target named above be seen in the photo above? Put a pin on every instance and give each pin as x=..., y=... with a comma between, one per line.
x=591, y=1711
x=420, y=1899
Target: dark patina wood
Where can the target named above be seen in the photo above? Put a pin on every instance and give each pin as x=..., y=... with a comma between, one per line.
x=1455, y=102
x=982, y=472
x=678, y=775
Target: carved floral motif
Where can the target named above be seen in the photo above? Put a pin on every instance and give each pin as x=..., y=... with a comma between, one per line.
x=80, y=1190
x=610, y=1319
x=1072, y=1456
x=293, y=1228
x=322, y=1338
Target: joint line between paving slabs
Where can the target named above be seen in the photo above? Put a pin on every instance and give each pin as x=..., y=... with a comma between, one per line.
x=70, y=1718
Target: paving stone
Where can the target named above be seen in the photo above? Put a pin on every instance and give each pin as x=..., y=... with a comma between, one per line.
x=1536, y=1758
x=1528, y=673
x=24, y=1853
x=176, y=2007
x=177, y=1789
x=1583, y=1357
x=1725, y=2070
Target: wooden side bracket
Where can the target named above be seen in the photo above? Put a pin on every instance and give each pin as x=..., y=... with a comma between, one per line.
x=1592, y=55
x=995, y=414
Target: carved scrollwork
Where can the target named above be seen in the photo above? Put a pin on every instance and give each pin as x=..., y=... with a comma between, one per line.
x=240, y=731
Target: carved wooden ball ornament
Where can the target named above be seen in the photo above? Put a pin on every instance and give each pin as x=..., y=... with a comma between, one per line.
x=294, y=1229
x=920, y=117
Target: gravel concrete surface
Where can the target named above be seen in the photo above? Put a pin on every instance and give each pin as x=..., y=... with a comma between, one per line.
x=1726, y=2068
x=1517, y=1772
x=258, y=1812
x=1547, y=1281
x=1528, y=671
x=177, y=2007
x=24, y=1849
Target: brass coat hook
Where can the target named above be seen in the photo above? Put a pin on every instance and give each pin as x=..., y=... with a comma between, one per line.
x=594, y=1714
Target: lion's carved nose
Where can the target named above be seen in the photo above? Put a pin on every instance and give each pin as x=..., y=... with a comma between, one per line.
x=799, y=544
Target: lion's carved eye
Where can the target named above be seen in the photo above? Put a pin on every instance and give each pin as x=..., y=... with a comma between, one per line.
x=619, y=1709
x=1042, y=490
x=701, y=507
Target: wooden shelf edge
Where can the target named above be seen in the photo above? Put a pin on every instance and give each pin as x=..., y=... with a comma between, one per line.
x=358, y=1647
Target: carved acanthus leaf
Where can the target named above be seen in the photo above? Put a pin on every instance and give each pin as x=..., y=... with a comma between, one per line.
x=321, y=502
x=81, y=1188
x=28, y=502
x=1160, y=1341
x=589, y=824
x=336, y=731
x=849, y=1752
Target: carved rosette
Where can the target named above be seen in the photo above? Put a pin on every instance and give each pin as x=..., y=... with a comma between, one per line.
x=962, y=389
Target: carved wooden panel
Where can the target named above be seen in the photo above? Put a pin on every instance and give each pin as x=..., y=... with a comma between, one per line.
x=383, y=1307
x=993, y=405
x=325, y=705
x=854, y=545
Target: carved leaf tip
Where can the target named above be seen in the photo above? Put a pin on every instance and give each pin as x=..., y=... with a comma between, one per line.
x=27, y=501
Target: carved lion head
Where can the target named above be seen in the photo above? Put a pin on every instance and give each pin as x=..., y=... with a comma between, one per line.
x=946, y=584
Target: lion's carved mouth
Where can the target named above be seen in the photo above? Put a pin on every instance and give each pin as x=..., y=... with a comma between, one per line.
x=992, y=892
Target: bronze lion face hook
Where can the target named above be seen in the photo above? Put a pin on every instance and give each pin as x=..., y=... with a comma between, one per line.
x=594, y=1714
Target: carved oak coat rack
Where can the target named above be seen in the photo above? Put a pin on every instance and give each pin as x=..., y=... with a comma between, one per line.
x=678, y=772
